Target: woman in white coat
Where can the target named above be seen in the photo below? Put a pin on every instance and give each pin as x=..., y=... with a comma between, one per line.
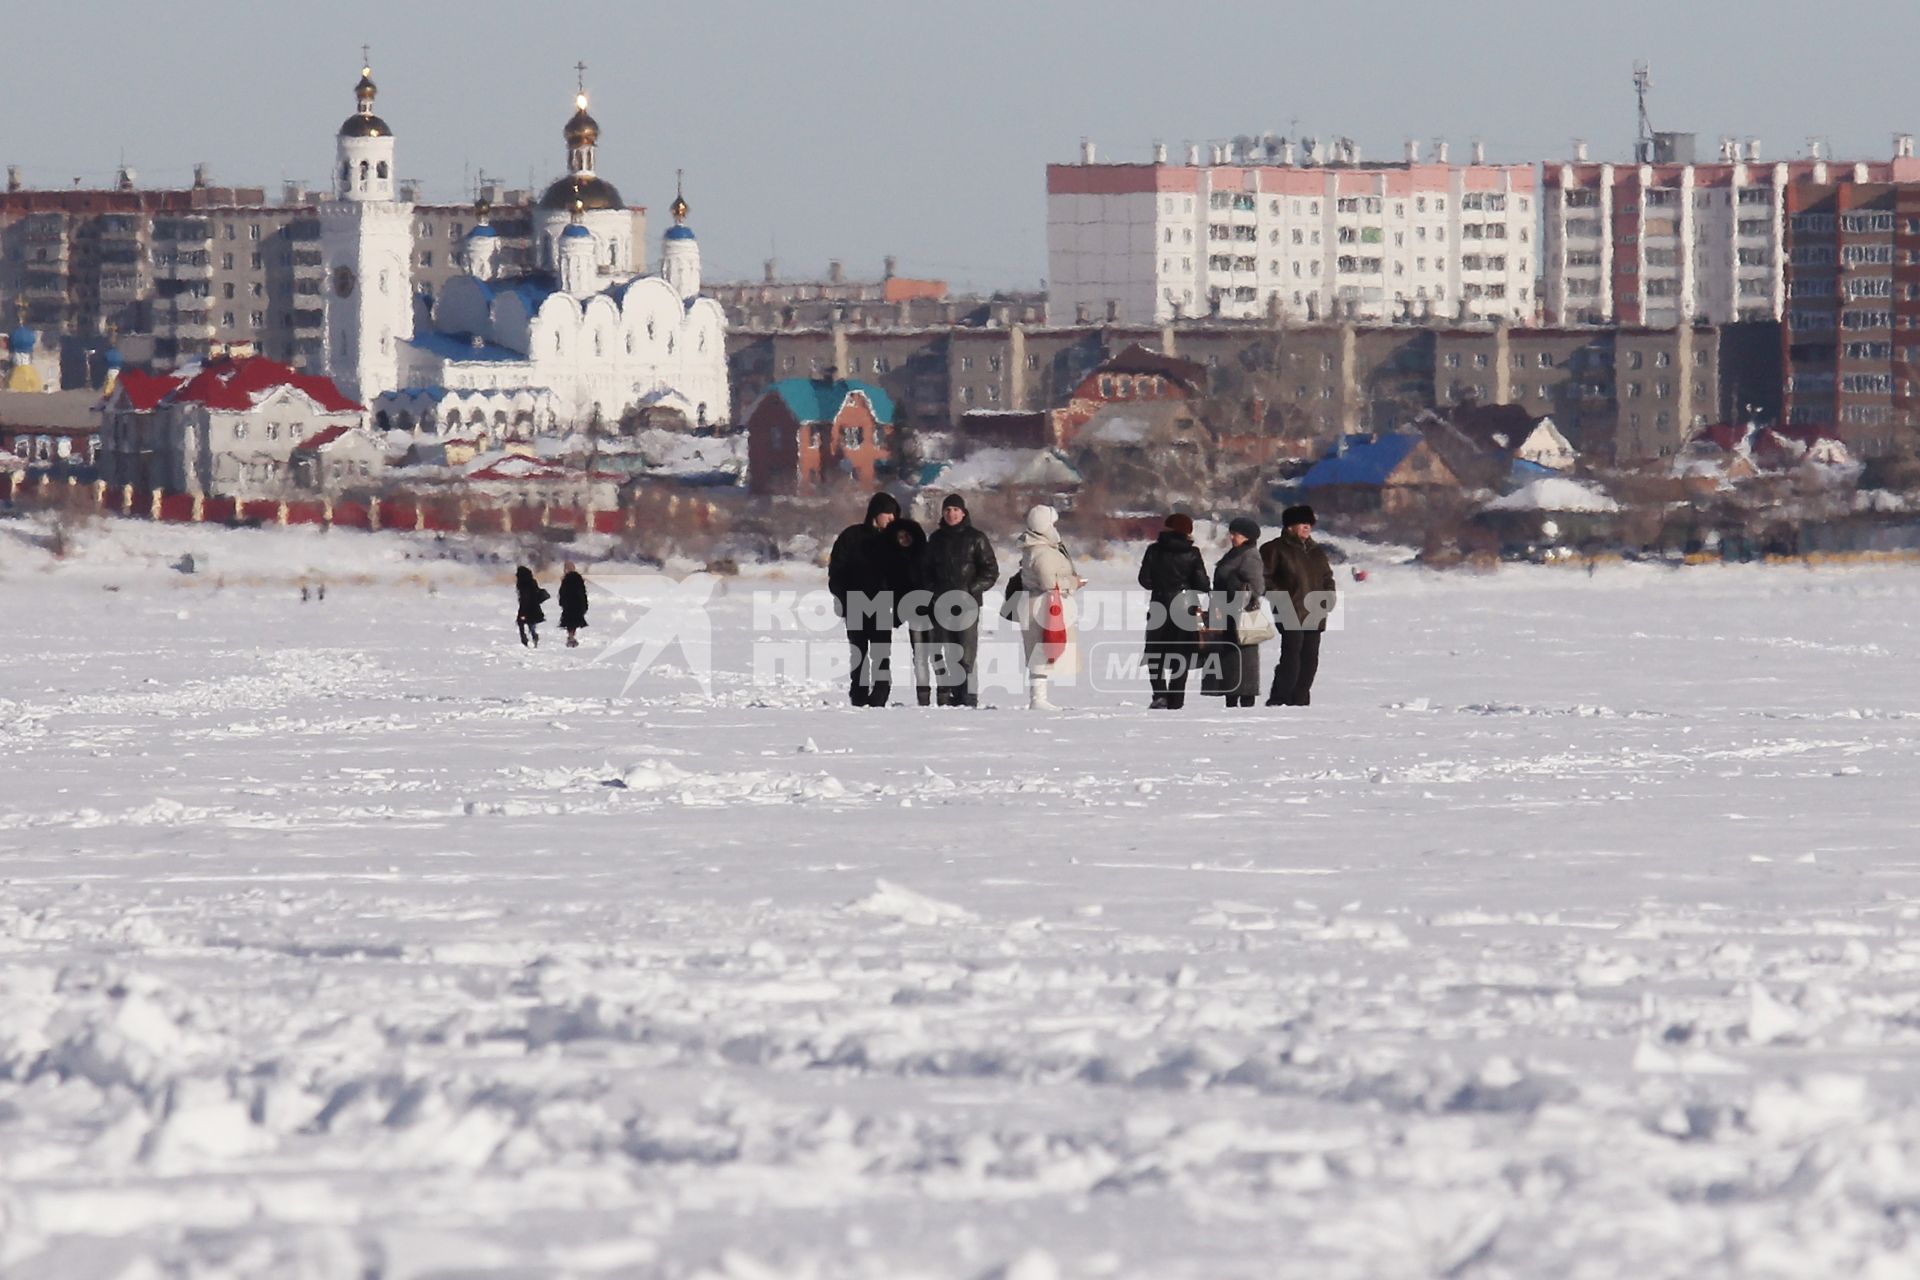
x=1044, y=568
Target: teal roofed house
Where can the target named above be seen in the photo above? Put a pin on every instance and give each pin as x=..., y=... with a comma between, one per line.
x=805, y=434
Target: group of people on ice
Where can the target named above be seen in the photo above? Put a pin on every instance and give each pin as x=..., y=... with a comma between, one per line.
x=886, y=572
x=573, y=605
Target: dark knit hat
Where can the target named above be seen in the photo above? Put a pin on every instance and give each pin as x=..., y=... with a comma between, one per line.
x=1246, y=526
x=1302, y=514
x=882, y=504
x=1181, y=523
x=954, y=500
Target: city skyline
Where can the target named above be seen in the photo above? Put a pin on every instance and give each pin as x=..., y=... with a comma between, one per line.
x=928, y=133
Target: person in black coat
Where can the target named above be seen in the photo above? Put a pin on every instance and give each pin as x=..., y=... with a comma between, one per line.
x=860, y=576
x=1238, y=585
x=532, y=595
x=573, y=603
x=960, y=569
x=912, y=600
x=1175, y=577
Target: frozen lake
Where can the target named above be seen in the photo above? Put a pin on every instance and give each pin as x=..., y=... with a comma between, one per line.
x=1574, y=932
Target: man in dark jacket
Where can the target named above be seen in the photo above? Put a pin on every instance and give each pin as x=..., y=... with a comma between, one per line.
x=861, y=572
x=1175, y=577
x=1300, y=584
x=960, y=566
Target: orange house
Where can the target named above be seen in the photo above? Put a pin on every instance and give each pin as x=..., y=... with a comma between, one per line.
x=806, y=433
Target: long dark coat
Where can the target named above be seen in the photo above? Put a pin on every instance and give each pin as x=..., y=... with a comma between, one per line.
x=1174, y=575
x=1237, y=582
x=532, y=596
x=573, y=602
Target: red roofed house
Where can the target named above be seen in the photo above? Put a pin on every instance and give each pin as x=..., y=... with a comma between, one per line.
x=1134, y=374
x=239, y=428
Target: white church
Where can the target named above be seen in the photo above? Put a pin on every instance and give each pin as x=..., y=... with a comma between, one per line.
x=575, y=344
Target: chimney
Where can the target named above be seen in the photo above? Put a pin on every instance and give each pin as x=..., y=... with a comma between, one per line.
x=1903, y=146
x=124, y=180
x=836, y=274
x=1753, y=151
x=1440, y=151
x=200, y=176
x=1580, y=150
x=1286, y=153
x=13, y=177
x=1087, y=151
x=1193, y=154
x=293, y=193
x=1159, y=153
x=770, y=269
x=1353, y=152
x=1479, y=151
x=1814, y=148
x=1413, y=151
x=888, y=265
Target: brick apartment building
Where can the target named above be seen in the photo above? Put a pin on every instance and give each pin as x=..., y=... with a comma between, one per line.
x=1676, y=242
x=174, y=273
x=1852, y=331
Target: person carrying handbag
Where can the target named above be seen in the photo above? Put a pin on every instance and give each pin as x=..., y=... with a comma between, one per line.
x=1240, y=613
x=1048, y=581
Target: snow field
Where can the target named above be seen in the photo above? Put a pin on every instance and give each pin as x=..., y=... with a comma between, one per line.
x=1574, y=932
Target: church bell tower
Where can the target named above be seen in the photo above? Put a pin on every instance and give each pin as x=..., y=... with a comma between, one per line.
x=366, y=244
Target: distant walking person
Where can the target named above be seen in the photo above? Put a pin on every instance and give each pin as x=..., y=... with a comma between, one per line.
x=1238, y=586
x=860, y=576
x=1300, y=580
x=912, y=602
x=1175, y=577
x=1048, y=579
x=960, y=568
x=573, y=603
x=532, y=596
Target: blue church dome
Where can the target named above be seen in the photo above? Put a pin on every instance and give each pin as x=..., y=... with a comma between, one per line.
x=482, y=230
x=574, y=231
x=21, y=339
x=679, y=233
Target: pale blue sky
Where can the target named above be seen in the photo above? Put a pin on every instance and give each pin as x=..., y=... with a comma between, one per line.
x=853, y=129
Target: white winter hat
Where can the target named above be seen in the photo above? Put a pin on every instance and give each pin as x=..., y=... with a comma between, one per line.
x=1042, y=519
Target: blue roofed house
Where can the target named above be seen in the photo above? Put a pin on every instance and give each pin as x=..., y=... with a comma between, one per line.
x=1384, y=472
x=806, y=433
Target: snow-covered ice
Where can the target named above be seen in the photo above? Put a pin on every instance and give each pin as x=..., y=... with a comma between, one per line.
x=1575, y=932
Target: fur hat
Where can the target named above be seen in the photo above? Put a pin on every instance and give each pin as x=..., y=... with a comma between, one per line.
x=1246, y=526
x=954, y=500
x=1302, y=514
x=1181, y=523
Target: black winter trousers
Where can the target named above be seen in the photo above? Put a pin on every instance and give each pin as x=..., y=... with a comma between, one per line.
x=1293, y=674
x=1169, y=665
x=956, y=651
x=870, y=683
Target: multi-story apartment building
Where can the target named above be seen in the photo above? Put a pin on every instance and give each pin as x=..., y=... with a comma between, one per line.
x=202, y=267
x=1852, y=331
x=1663, y=244
x=1621, y=394
x=1303, y=235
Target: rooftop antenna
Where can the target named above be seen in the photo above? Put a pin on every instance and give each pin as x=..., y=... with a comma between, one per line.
x=1643, y=143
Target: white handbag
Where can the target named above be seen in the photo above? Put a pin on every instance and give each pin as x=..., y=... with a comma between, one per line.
x=1255, y=624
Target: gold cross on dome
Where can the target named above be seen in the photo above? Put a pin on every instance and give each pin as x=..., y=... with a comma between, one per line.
x=580, y=71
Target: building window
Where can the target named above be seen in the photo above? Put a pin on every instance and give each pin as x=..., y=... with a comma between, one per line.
x=426, y=257
x=966, y=363
x=852, y=437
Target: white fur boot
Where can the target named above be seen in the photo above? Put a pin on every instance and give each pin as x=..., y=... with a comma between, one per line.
x=1037, y=699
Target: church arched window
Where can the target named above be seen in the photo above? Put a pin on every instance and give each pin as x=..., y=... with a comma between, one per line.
x=346, y=173
x=363, y=171
x=380, y=170
x=556, y=339
x=596, y=345
x=629, y=344
x=649, y=331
